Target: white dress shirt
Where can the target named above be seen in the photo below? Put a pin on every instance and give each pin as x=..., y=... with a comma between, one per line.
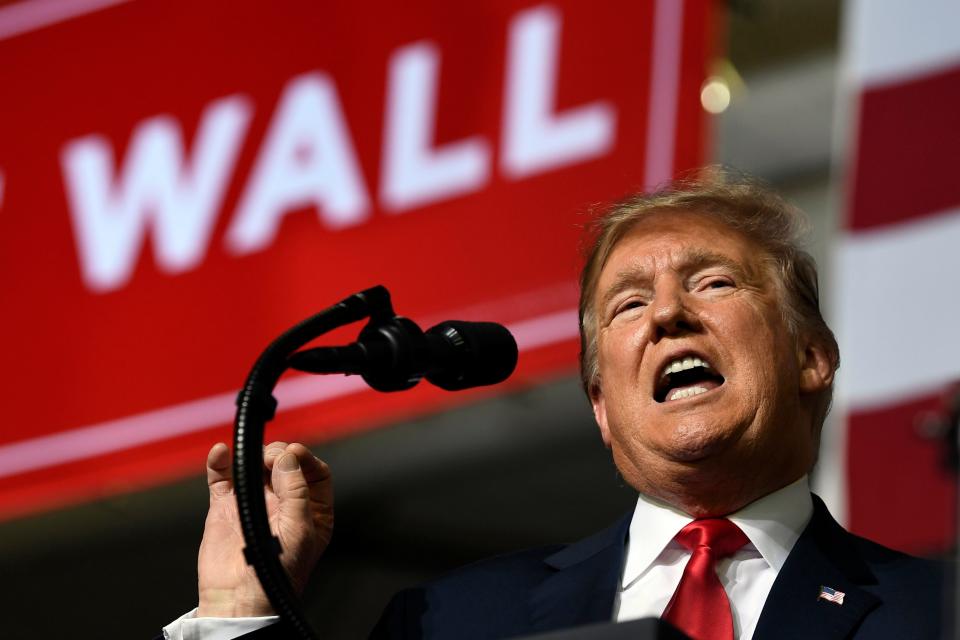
x=653, y=566
x=655, y=561
x=190, y=627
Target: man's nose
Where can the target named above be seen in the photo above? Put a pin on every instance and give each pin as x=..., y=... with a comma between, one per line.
x=671, y=314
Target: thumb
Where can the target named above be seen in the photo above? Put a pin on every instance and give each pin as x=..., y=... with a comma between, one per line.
x=219, y=471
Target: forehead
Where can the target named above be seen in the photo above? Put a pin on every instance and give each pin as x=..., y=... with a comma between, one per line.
x=681, y=239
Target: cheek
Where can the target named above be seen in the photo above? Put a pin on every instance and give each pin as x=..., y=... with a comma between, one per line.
x=632, y=338
x=760, y=355
x=772, y=373
x=619, y=351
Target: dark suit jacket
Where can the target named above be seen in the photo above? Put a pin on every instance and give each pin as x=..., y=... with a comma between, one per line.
x=887, y=594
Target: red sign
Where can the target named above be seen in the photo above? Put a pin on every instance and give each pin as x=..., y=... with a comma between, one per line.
x=181, y=181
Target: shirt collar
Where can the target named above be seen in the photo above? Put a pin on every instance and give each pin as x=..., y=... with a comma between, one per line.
x=773, y=524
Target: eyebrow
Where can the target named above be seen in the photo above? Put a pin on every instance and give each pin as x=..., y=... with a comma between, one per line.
x=689, y=260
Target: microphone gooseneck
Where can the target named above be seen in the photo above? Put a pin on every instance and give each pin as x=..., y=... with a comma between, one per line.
x=392, y=353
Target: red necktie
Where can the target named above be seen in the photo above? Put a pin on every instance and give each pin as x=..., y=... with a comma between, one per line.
x=699, y=607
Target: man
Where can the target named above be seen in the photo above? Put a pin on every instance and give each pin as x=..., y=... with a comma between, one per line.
x=710, y=371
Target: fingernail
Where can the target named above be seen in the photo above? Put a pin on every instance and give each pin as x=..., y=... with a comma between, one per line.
x=289, y=462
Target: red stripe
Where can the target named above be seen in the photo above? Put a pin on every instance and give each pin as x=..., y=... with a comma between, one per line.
x=899, y=490
x=906, y=151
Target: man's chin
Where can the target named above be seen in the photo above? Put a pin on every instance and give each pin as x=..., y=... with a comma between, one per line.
x=698, y=445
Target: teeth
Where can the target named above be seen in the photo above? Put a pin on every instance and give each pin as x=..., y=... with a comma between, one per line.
x=683, y=364
x=679, y=394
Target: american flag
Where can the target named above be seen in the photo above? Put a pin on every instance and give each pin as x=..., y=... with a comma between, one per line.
x=896, y=255
x=826, y=593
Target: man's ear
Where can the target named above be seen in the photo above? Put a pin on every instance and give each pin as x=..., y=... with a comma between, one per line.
x=816, y=367
x=600, y=413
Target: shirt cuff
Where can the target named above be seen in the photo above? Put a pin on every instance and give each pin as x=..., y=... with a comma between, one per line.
x=190, y=627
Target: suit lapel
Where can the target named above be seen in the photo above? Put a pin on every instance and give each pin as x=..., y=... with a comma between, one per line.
x=823, y=556
x=582, y=588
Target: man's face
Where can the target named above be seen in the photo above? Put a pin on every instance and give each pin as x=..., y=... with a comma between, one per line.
x=700, y=379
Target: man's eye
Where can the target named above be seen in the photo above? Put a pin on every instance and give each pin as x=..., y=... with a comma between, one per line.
x=717, y=283
x=630, y=304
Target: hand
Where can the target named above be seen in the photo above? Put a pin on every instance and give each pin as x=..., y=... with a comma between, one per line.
x=299, y=496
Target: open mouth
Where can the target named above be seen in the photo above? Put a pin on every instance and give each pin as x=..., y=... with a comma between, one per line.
x=686, y=377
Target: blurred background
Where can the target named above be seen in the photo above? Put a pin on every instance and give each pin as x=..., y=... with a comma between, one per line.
x=182, y=181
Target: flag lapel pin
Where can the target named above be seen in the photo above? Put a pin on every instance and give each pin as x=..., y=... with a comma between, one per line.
x=831, y=595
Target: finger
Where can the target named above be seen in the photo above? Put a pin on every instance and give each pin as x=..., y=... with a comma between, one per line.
x=317, y=474
x=296, y=473
x=273, y=451
x=219, y=470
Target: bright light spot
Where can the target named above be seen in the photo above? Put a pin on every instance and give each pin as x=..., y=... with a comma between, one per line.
x=715, y=95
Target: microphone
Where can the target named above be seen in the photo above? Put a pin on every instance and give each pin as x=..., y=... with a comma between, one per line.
x=470, y=354
x=395, y=354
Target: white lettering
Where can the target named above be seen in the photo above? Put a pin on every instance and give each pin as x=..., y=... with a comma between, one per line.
x=308, y=159
x=156, y=187
x=535, y=139
x=413, y=173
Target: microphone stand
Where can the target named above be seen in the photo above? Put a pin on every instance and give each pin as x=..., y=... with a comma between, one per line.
x=255, y=407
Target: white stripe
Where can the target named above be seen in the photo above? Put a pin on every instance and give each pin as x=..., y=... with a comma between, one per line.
x=198, y=415
x=898, y=310
x=892, y=40
x=664, y=87
x=160, y=424
x=546, y=330
x=24, y=17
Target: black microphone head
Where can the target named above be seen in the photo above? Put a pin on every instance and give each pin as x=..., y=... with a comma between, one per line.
x=470, y=354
